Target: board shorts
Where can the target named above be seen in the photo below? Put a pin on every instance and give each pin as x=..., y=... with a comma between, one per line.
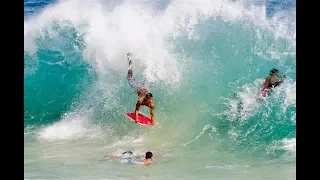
x=127, y=157
x=136, y=86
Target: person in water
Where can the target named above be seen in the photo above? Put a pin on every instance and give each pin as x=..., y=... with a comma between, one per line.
x=272, y=81
x=148, y=158
x=145, y=98
x=128, y=156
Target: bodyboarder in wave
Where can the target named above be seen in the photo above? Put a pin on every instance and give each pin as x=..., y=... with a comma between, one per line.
x=145, y=98
x=272, y=81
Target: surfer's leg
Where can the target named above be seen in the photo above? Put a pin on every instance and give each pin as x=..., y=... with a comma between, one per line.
x=135, y=85
x=145, y=85
x=131, y=80
x=130, y=74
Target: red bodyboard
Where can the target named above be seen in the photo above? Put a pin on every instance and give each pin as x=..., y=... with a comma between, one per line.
x=142, y=119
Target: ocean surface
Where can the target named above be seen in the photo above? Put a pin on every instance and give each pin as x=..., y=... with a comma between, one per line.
x=205, y=62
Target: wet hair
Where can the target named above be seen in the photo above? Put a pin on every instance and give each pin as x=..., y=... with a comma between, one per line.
x=149, y=95
x=273, y=71
x=149, y=155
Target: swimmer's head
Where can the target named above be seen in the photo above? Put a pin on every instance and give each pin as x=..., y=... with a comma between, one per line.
x=149, y=155
x=273, y=71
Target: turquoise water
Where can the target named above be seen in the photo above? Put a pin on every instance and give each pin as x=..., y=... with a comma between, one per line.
x=196, y=56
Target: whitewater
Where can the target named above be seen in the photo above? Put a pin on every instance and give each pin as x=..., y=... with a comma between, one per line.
x=205, y=62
